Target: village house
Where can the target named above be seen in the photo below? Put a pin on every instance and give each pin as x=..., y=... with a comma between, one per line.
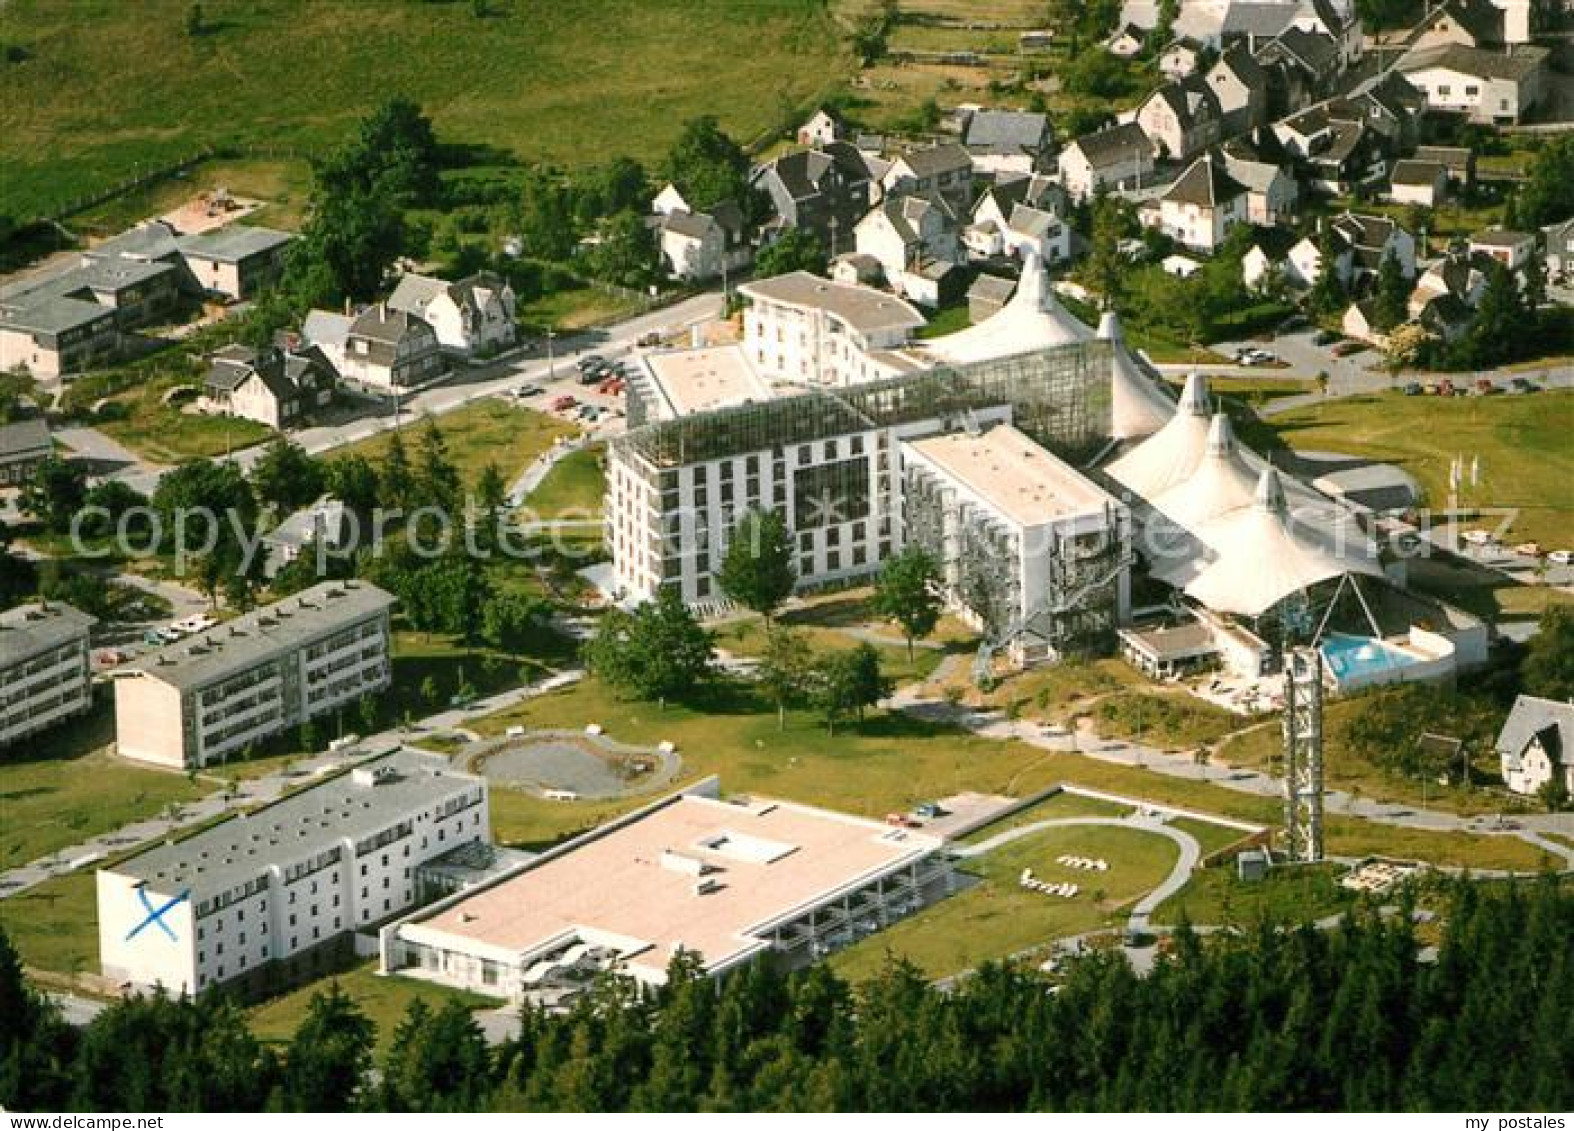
x=1179, y=59
x=1418, y=182
x=1127, y=42
x=824, y=191
x=1024, y=210
x=472, y=317
x=945, y=170
x=1459, y=162
x=1557, y=242
x=1009, y=142
x=822, y=129
x=1536, y=745
x=1473, y=23
x=1483, y=86
x=1272, y=192
x=1115, y=158
x=1181, y=118
x=1360, y=244
x=380, y=349
x=274, y=387
x=1203, y=204
x=699, y=246
x=24, y=444
x=907, y=234
x=1240, y=86
x=1512, y=249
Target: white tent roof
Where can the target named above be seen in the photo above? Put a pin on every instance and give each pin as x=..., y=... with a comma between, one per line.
x=1259, y=559
x=1171, y=454
x=1221, y=483
x=1140, y=407
x=1031, y=320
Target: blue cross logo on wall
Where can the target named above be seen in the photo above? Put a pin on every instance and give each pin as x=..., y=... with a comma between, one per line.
x=155, y=916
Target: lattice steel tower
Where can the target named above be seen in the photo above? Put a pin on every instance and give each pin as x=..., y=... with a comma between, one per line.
x=1303, y=754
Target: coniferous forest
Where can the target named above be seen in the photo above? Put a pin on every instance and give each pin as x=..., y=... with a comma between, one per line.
x=1360, y=1017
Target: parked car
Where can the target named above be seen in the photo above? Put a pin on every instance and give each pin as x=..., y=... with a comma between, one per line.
x=1324, y=338
x=1561, y=557
x=1414, y=389
x=528, y=391
x=589, y=376
x=1521, y=385
x=1485, y=387
x=1528, y=549
x=590, y=360
x=650, y=338
x=564, y=403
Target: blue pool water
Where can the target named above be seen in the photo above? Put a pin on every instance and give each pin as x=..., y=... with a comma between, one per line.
x=1350, y=657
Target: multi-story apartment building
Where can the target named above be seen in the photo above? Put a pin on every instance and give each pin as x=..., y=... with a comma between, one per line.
x=214, y=694
x=1032, y=551
x=280, y=891
x=45, y=676
x=802, y=328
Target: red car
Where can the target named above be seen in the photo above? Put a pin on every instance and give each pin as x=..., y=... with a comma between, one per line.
x=564, y=403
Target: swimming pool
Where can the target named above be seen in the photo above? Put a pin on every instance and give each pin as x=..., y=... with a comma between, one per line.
x=1360, y=657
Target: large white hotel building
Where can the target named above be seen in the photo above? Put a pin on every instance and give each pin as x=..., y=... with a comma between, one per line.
x=216, y=693
x=282, y=889
x=45, y=675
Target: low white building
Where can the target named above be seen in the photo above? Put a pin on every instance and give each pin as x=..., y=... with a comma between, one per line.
x=1203, y=204
x=1015, y=530
x=474, y=316
x=1117, y=158
x=272, y=387
x=268, y=896
x=235, y=261
x=1418, y=182
x=217, y=693
x=802, y=328
x=45, y=674
x=1536, y=745
x=1513, y=250
x=1484, y=86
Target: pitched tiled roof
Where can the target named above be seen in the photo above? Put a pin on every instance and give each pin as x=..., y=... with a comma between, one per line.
x=1116, y=144
x=1525, y=61
x=1205, y=183
x=1007, y=132
x=1550, y=719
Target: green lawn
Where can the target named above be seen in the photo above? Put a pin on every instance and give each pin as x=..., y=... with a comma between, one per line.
x=482, y=432
x=998, y=917
x=1214, y=897
x=164, y=434
x=382, y=999
x=54, y=926
x=563, y=83
x=1168, y=720
x=947, y=321
x=575, y=486
x=577, y=308
x=1527, y=462
x=65, y=787
x=1052, y=808
x=283, y=183
x=1212, y=837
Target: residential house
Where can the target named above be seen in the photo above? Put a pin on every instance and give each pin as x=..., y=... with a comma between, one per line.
x=1037, y=230
x=1360, y=322
x=1484, y=86
x=986, y=236
x=1391, y=107
x=698, y=246
x=235, y=261
x=1257, y=268
x=1557, y=243
x=1115, y=158
x=1302, y=67
x=1536, y=744
x=1418, y=182
x=1240, y=86
x=944, y=170
x=1009, y=142
x=24, y=444
x=856, y=270
x=1250, y=23
x=1465, y=23
x=473, y=317
x=1272, y=192
x=1512, y=249
x=273, y=387
x=1127, y=42
x=823, y=128
x=1353, y=157
x=906, y=233
x=390, y=350
x=1181, y=266
x=1446, y=294
x=826, y=191
x=1338, y=23
x=1458, y=160
x=1203, y=204
x=1179, y=59
x=1181, y=118
x=669, y=199
x=1360, y=244
x=1446, y=317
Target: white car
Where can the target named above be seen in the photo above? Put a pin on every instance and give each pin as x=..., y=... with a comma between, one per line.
x=1561, y=557
x=1477, y=537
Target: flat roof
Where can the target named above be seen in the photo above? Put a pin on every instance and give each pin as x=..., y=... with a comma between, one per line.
x=863, y=308
x=53, y=314
x=634, y=885
x=1173, y=642
x=1010, y=472
x=347, y=806
x=259, y=635
x=28, y=630
x=697, y=380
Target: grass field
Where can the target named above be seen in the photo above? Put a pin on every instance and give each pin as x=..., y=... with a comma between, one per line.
x=382, y=1000
x=998, y=917
x=54, y=926
x=575, y=486
x=283, y=183
x=1214, y=897
x=1527, y=462
x=482, y=432
x=1052, y=808
x=560, y=83
x=164, y=434
x=66, y=787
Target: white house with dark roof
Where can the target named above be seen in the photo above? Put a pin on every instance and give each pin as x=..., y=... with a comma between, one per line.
x=1557, y=243
x=945, y=169
x=823, y=191
x=1418, y=182
x=1240, y=85
x=1536, y=744
x=823, y=127
x=1361, y=242
x=1202, y=205
x=386, y=349
x=1512, y=249
x=1117, y=157
x=1484, y=86
x=274, y=387
x=1179, y=59
x=906, y=232
x=1181, y=118
x=1009, y=142
x=472, y=316
x=799, y=327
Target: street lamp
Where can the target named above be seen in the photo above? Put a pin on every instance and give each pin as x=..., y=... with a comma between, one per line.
x=551, y=359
